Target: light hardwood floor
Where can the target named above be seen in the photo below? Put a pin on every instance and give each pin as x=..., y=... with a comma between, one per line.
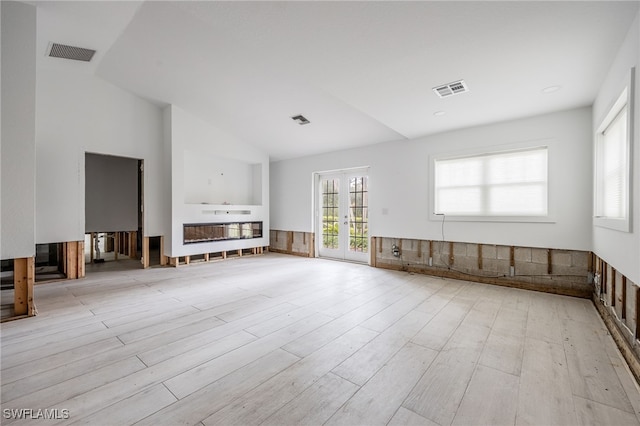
x=282, y=340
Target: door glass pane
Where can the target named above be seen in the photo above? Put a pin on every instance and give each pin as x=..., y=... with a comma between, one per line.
x=330, y=213
x=358, y=215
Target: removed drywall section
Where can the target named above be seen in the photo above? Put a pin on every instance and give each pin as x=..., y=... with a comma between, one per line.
x=543, y=269
x=111, y=193
x=292, y=242
x=18, y=130
x=617, y=299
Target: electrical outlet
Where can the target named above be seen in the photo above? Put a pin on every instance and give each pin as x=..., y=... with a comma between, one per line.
x=395, y=250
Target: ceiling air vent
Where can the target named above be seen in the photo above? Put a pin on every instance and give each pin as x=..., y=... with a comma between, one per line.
x=70, y=52
x=451, y=89
x=300, y=119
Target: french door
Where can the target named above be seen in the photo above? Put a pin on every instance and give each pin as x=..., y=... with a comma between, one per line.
x=343, y=216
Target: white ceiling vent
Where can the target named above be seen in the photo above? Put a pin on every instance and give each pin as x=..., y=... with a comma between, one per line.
x=63, y=51
x=300, y=119
x=451, y=89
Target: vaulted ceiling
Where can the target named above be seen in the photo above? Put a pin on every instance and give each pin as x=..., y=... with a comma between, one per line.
x=360, y=72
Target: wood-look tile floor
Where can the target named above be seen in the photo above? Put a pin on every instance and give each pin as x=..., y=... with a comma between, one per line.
x=282, y=340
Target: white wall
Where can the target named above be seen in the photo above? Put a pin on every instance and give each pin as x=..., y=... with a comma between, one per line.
x=399, y=182
x=18, y=130
x=189, y=134
x=111, y=193
x=622, y=249
x=79, y=113
x=216, y=180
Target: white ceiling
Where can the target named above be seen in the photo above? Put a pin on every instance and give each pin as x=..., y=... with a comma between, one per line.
x=361, y=72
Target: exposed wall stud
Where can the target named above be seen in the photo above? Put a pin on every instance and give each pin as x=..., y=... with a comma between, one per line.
x=145, y=252
x=163, y=258
x=451, y=253
x=312, y=245
x=624, y=297
x=81, y=268
x=613, y=287
x=372, y=257
x=92, y=246
x=605, y=278
x=512, y=261
x=637, y=329
x=72, y=260
x=430, y=253
x=23, y=280
x=64, y=259
x=133, y=244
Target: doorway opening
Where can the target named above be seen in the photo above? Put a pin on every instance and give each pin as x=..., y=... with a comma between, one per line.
x=114, y=212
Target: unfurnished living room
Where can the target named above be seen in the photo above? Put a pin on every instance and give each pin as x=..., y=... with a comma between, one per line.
x=323, y=212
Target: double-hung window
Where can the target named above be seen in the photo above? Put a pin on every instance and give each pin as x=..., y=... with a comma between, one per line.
x=508, y=184
x=612, y=166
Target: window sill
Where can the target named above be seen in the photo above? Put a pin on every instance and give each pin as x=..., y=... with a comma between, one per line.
x=621, y=225
x=495, y=219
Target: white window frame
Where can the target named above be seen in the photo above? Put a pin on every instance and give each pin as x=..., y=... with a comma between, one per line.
x=624, y=100
x=493, y=150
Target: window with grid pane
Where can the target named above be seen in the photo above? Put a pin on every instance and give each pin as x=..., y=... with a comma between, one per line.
x=358, y=214
x=330, y=213
x=512, y=183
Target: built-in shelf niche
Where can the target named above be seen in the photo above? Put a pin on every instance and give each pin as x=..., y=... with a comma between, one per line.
x=209, y=232
x=210, y=179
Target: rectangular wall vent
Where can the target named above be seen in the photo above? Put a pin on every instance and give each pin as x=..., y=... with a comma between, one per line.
x=451, y=89
x=70, y=52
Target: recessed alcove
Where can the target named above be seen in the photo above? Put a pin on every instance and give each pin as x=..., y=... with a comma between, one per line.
x=210, y=179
